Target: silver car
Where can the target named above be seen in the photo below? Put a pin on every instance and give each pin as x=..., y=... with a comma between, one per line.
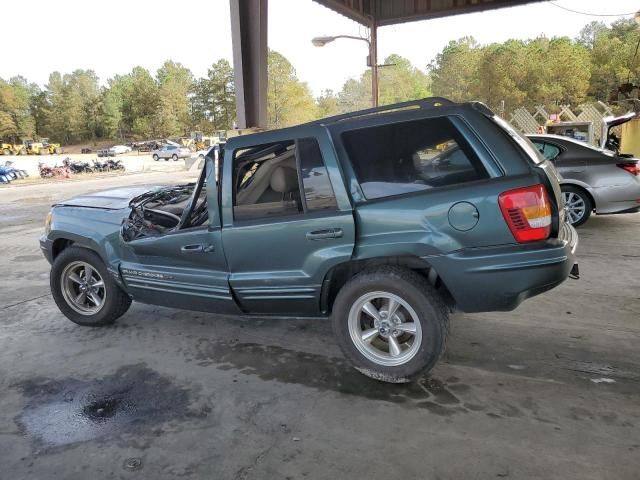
x=594, y=179
x=173, y=152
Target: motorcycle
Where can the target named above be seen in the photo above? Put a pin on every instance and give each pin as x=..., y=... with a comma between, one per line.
x=108, y=165
x=5, y=175
x=114, y=164
x=78, y=166
x=14, y=172
x=49, y=172
x=100, y=166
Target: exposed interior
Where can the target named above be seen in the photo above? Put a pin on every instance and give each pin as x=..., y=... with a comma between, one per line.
x=266, y=182
x=171, y=208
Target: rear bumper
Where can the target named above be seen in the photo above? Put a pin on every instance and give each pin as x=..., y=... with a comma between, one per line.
x=500, y=278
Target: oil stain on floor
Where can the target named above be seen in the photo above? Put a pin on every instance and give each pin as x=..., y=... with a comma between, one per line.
x=64, y=412
x=329, y=374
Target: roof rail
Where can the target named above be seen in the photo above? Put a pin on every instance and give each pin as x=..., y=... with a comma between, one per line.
x=430, y=102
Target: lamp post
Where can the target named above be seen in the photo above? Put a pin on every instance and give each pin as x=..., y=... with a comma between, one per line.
x=372, y=58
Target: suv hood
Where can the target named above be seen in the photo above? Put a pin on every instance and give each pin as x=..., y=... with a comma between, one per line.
x=115, y=199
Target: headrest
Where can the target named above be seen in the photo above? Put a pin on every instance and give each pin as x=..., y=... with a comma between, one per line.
x=284, y=180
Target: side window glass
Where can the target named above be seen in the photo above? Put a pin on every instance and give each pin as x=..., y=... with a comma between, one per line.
x=550, y=152
x=539, y=146
x=318, y=192
x=411, y=156
x=265, y=180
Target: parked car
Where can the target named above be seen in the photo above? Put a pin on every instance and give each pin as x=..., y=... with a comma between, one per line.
x=594, y=179
x=172, y=152
x=339, y=218
x=120, y=149
x=106, y=152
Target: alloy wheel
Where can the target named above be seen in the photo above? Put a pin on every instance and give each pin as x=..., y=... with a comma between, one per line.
x=385, y=328
x=83, y=288
x=575, y=206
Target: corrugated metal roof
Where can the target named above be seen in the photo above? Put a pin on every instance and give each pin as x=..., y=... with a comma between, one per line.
x=389, y=12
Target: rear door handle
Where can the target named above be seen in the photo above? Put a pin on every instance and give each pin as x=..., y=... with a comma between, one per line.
x=325, y=234
x=192, y=249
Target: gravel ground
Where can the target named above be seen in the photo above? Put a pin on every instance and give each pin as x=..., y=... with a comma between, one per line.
x=550, y=390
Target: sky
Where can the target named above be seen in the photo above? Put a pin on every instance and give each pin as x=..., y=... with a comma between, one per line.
x=113, y=36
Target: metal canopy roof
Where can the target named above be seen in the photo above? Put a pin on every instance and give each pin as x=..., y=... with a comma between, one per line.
x=389, y=12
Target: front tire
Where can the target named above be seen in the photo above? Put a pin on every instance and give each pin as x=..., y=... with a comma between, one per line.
x=390, y=323
x=578, y=205
x=156, y=157
x=84, y=290
x=174, y=157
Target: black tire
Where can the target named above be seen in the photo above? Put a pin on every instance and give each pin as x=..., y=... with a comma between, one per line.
x=156, y=157
x=6, y=151
x=116, y=302
x=414, y=289
x=174, y=157
x=571, y=192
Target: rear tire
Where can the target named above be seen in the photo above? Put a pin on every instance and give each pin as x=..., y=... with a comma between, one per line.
x=156, y=157
x=101, y=304
x=174, y=157
x=392, y=348
x=578, y=205
x=6, y=151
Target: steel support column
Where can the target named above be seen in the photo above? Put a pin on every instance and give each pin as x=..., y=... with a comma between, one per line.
x=249, y=38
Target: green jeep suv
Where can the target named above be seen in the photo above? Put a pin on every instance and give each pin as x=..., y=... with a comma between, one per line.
x=382, y=220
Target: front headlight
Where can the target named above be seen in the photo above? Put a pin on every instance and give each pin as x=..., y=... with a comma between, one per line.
x=47, y=223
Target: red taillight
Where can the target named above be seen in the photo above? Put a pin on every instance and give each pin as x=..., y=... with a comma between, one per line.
x=632, y=168
x=527, y=211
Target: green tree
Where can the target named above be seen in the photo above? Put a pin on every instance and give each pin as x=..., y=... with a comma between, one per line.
x=16, y=118
x=139, y=98
x=590, y=32
x=289, y=101
x=328, y=104
x=454, y=72
x=401, y=81
x=614, y=60
x=213, y=99
x=223, y=95
x=71, y=106
x=174, y=84
x=355, y=94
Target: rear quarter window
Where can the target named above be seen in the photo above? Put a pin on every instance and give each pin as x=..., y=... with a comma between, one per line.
x=412, y=156
x=523, y=142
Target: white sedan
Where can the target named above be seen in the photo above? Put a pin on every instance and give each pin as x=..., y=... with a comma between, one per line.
x=120, y=149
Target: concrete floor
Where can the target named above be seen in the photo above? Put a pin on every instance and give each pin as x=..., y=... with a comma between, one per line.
x=551, y=390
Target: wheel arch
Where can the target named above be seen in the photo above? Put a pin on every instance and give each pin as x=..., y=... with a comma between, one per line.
x=582, y=187
x=68, y=239
x=340, y=274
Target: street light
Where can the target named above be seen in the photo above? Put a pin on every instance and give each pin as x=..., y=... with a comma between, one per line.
x=372, y=58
